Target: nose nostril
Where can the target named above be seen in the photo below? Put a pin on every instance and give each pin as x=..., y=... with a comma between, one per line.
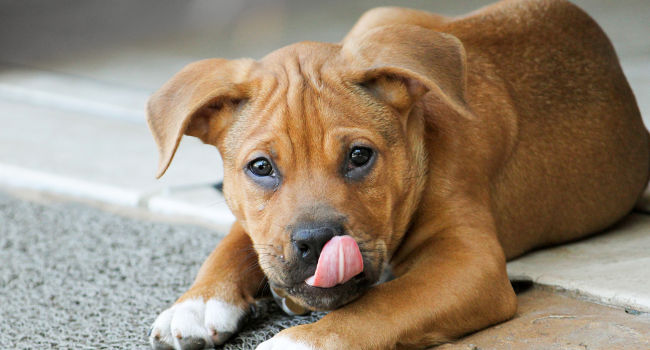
x=308, y=242
x=303, y=249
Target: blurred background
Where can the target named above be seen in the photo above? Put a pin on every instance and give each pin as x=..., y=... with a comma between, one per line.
x=75, y=75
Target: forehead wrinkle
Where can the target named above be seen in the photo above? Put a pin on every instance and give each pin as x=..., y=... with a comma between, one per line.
x=260, y=114
x=366, y=111
x=303, y=122
x=265, y=138
x=317, y=127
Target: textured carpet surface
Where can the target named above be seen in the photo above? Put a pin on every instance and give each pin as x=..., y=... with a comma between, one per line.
x=75, y=277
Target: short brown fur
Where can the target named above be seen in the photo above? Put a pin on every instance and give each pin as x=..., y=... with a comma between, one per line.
x=502, y=131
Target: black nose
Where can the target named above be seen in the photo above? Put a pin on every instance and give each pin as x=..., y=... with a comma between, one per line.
x=309, y=242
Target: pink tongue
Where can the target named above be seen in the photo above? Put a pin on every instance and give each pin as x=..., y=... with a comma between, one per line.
x=339, y=261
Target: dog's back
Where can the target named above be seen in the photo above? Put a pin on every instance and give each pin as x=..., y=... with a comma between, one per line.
x=579, y=156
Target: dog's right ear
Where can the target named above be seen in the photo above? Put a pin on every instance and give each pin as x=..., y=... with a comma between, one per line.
x=400, y=63
x=197, y=101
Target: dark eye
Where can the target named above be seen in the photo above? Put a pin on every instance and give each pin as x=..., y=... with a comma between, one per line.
x=261, y=167
x=360, y=156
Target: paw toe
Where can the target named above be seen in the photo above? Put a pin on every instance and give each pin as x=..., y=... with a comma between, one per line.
x=219, y=338
x=156, y=344
x=222, y=319
x=194, y=324
x=192, y=343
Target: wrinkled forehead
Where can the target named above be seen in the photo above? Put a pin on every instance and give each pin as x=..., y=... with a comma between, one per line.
x=305, y=91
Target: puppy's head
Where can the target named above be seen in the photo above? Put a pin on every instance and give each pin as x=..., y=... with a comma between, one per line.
x=318, y=140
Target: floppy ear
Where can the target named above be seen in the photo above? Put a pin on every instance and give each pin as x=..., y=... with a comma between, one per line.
x=197, y=101
x=400, y=63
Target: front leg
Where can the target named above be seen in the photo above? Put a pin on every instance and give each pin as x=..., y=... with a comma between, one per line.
x=449, y=285
x=219, y=299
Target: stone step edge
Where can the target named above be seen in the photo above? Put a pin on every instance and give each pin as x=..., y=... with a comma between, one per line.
x=63, y=102
x=633, y=304
x=66, y=92
x=156, y=201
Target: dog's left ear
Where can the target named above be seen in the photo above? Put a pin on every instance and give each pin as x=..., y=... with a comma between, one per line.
x=198, y=101
x=400, y=63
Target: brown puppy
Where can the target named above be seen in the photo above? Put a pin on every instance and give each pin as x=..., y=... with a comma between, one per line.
x=441, y=146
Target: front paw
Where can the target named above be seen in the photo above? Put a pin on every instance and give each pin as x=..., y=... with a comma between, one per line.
x=282, y=342
x=319, y=335
x=195, y=324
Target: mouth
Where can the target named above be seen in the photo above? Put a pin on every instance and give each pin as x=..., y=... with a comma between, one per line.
x=341, y=275
x=304, y=296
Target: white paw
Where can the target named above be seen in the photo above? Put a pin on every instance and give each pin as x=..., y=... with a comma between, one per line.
x=280, y=342
x=195, y=324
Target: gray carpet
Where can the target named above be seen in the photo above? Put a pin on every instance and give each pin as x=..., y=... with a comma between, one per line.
x=75, y=277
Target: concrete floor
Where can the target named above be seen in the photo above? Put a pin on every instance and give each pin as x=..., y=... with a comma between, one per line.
x=550, y=320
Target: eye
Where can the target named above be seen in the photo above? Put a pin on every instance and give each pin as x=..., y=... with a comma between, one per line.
x=360, y=156
x=260, y=167
x=359, y=162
